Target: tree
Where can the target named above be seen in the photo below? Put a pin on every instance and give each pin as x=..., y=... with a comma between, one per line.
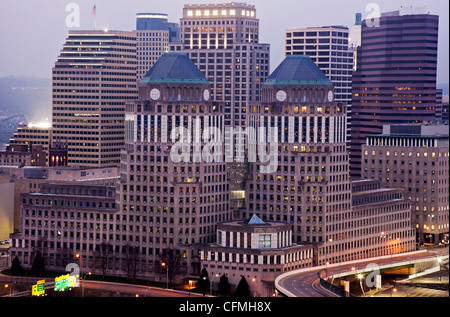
x=173, y=262
x=38, y=266
x=224, y=286
x=132, y=260
x=203, y=282
x=16, y=267
x=102, y=256
x=243, y=290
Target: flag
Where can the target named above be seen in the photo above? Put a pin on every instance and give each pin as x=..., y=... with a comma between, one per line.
x=94, y=11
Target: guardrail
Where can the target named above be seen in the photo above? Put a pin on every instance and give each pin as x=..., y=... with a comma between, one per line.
x=336, y=290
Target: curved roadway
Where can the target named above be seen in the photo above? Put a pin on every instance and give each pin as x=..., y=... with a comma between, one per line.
x=304, y=282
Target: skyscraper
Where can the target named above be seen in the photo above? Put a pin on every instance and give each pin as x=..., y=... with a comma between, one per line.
x=328, y=47
x=223, y=41
x=153, y=34
x=93, y=77
x=176, y=200
x=395, y=80
x=311, y=187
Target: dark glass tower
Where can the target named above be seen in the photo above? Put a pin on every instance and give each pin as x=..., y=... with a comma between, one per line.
x=395, y=81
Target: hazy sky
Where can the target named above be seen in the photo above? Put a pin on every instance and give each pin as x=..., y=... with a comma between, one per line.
x=32, y=32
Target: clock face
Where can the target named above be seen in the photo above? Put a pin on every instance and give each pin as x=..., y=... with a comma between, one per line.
x=281, y=96
x=155, y=94
x=330, y=96
x=206, y=95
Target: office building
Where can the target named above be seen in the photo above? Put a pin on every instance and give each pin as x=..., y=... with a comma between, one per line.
x=169, y=201
x=154, y=32
x=311, y=187
x=328, y=47
x=414, y=158
x=257, y=250
x=93, y=78
x=395, y=80
x=62, y=220
x=223, y=41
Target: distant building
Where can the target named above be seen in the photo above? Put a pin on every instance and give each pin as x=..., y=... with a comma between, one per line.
x=30, y=136
x=257, y=250
x=395, y=80
x=153, y=34
x=23, y=155
x=58, y=153
x=93, y=78
x=222, y=39
x=414, y=158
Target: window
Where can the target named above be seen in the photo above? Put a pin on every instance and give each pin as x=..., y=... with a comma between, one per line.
x=265, y=241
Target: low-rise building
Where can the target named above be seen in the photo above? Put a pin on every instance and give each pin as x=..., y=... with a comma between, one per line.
x=257, y=250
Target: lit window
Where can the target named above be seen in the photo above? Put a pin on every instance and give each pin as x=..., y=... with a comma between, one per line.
x=265, y=241
x=190, y=13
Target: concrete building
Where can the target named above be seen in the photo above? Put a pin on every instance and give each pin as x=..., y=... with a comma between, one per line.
x=414, y=158
x=15, y=181
x=154, y=32
x=23, y=155
x=328, y=47
x=223, y=41
x=311, y=187
x=395, y=80
x=181, y=197
x=254, y=249
x=31, y=135
x=93, y=78
x=62, y=220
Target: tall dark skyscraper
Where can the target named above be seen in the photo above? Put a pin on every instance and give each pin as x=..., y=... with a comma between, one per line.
x=395, y=80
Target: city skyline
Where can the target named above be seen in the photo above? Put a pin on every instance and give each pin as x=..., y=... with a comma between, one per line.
x=114, y=15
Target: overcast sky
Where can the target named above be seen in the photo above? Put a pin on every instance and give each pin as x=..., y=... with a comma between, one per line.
x=32, y=32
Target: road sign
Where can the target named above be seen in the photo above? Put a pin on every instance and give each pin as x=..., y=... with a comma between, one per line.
x=39, y=288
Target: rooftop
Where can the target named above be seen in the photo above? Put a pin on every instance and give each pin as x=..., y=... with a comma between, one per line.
x=174, y=68
x=298, y=70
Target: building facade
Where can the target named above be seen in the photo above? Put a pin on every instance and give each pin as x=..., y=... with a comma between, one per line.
x=154, y=32
x=257, y=250
x=223, y=41
x=93, y=78
x=415, y=159
x=395, y=80
x=171, y=185
x=311, y=187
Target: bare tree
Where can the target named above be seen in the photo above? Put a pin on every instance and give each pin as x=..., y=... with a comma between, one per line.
x=174, y=264
x=102, y=255
x=132, y=258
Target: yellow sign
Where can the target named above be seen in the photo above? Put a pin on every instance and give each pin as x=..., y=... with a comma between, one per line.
x=39, y=288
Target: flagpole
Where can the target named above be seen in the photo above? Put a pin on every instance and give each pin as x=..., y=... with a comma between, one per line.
x=94, y=12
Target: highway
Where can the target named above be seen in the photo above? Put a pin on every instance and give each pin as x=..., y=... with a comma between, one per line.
x=304, y=282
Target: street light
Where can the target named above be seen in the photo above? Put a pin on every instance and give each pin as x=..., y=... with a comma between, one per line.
x=163, y=264
x=210, y=283
x=361, y=277
x=78, y=256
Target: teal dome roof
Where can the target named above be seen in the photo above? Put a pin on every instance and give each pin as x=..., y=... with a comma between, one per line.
x=298, y=70
x=174, y=68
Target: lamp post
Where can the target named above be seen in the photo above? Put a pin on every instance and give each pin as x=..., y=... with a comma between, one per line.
x=361, y=277
x=78, y=256
x=210, y=284
x=163, y=264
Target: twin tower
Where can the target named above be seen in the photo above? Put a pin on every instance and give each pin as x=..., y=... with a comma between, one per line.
x=174, y=165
